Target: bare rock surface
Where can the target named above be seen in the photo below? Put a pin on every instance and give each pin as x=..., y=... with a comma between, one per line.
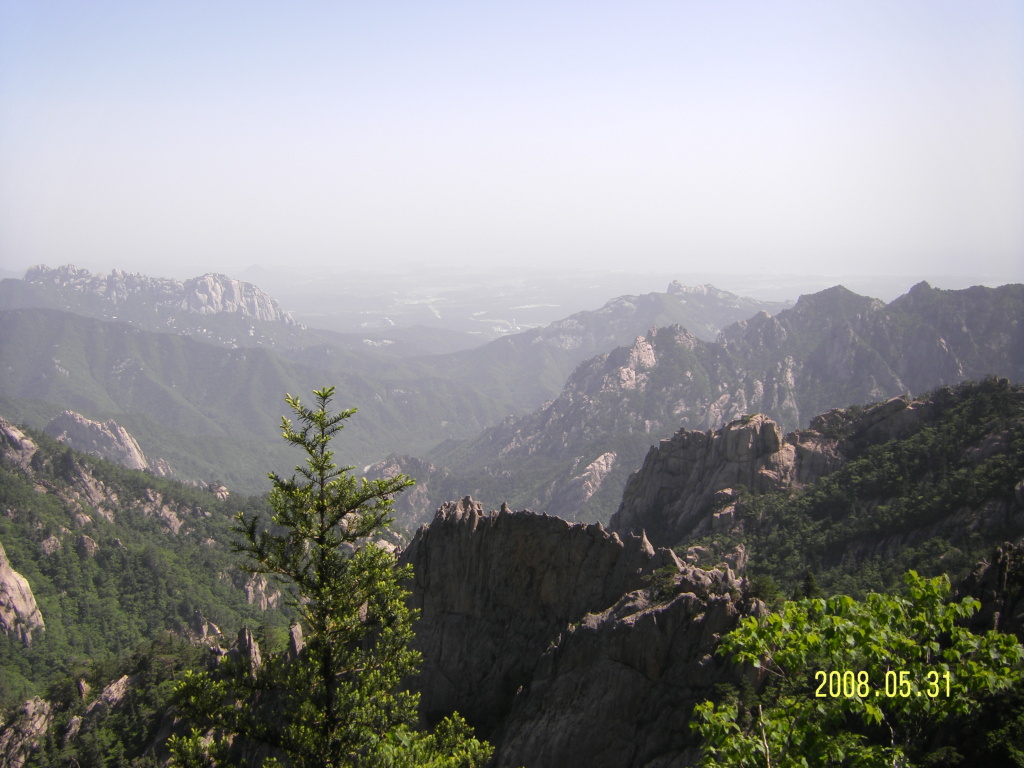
x=208, y=294
x=19, y=737
x=16, y=447
x=494, y=589
x=106, y=440
x=998, y=583
x=687, y=479
x=618, y=689
x=543, y=635
x=19, y=614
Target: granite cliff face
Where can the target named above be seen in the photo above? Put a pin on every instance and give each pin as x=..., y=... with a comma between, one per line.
x=998, y=583
x=107, y=441
x=688, y=483
x=618, y=688
x=16, y=448
x=19, y=737
x=543, y=635
x=19, y=615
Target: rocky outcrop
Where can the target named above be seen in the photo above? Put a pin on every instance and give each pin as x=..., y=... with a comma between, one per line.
x=16, y=449
x=570, y=496
x=258, y=592
x=246, y=652
x=998, y=583
x=495, y=589
x=110, y=698
x=212, y=307
x=687, y=484
x=618, y=688
x=19, y=615
x=521, y=613
x=80, y=489
x=19, y=737
x=215, y=294
x=106, y=440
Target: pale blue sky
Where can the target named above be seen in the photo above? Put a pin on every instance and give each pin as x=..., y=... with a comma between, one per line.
x=827, y=137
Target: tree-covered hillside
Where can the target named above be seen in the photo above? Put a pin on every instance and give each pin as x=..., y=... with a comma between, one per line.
x=115, y=558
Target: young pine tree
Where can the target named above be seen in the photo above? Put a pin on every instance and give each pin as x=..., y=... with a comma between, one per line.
x=339, y=702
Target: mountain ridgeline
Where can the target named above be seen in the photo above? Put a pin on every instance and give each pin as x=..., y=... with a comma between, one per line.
x=573, y=455
x=929, y=483
x=179, y=369
x=212, y=307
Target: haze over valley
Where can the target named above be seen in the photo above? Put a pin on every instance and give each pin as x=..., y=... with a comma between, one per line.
x=699, y=329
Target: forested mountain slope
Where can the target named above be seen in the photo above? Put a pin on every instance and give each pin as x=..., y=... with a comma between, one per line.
x=114, y=558
x=211, y=412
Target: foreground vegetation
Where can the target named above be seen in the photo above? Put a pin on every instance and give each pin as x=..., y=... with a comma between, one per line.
x=336, y=700
x=891, y=680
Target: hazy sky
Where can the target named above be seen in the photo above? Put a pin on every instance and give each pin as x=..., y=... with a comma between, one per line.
x=828, y=137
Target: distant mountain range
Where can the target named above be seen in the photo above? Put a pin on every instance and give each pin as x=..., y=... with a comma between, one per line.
x=197, y=370
x=212, y=307
x=572, y=456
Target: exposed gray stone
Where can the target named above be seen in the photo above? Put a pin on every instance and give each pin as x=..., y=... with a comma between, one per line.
x=542, y=634
x=107, y=440
x=20, y=736
x=19, y=614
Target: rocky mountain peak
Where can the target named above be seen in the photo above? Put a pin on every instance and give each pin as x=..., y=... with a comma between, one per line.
x=922, y=287
x=675, y=288
x=216, y=293
x=686, y=483
x=209, y=294
x=15, y=446
x=838, y=302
